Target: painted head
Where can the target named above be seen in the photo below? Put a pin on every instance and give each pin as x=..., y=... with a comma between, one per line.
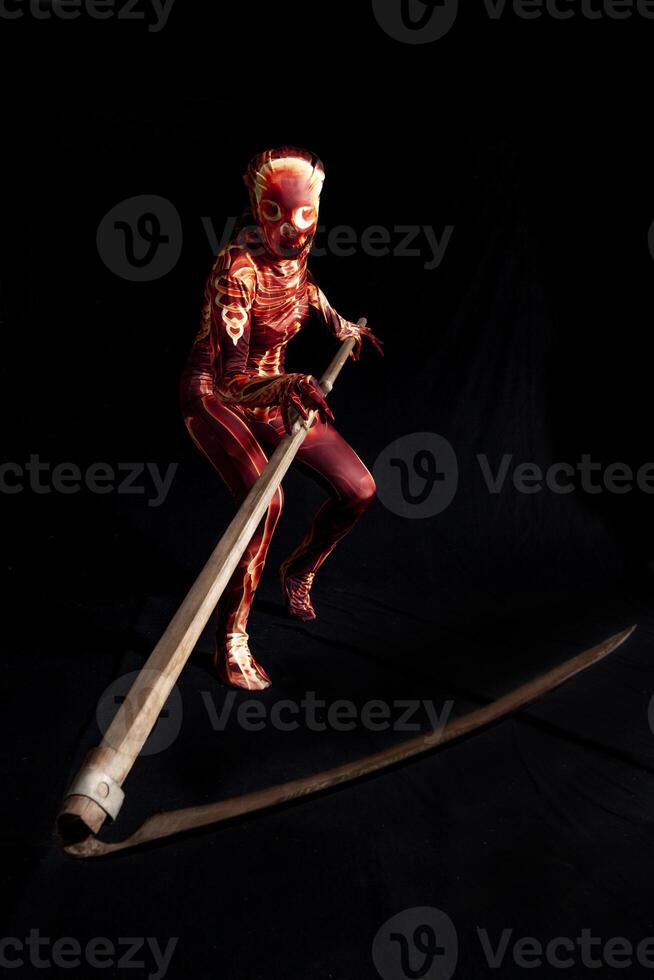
x=284, y=186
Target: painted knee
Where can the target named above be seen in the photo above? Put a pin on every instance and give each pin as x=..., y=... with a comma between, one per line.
x=364, y=490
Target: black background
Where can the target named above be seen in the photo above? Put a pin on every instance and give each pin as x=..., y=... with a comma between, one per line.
x=532, y=139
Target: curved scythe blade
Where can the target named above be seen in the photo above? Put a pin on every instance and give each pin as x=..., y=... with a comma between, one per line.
x=172, y=822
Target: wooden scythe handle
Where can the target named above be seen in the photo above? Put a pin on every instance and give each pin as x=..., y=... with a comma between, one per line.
x=96, y=793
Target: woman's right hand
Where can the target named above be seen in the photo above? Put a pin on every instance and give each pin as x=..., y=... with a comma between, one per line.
x=304, y=395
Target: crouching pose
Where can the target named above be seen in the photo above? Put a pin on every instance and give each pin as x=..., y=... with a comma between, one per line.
x=237, y=402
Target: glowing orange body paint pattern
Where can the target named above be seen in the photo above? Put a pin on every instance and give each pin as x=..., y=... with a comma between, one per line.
x=258, y=296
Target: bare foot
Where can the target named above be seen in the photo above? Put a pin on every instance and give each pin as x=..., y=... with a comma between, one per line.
x=236, y=666
x=296, y=592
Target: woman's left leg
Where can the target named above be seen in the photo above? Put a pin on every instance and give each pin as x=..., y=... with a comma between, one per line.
x=351, y=487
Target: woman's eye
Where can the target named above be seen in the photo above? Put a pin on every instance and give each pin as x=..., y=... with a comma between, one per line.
x=270, y=210
x=305, y=217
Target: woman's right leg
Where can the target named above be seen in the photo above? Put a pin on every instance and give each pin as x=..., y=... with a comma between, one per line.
x=234, y=452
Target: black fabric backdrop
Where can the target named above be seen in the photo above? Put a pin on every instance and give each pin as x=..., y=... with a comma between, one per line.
x=530, y=338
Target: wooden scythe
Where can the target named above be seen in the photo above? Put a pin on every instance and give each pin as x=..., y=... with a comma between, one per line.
x=173, y=822
x=96, y=792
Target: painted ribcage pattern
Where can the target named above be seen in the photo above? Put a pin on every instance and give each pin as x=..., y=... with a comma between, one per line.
x=279, y=309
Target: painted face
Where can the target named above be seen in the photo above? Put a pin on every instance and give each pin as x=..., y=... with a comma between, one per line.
x=285, y=197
